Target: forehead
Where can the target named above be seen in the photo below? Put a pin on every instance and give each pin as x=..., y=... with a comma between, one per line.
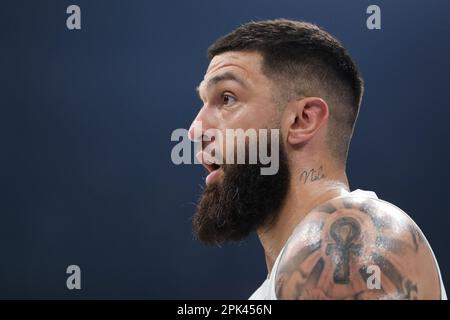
x=245, y=65
x=246, y=61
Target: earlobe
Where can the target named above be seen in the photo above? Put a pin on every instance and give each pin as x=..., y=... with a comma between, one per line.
x=307, y=116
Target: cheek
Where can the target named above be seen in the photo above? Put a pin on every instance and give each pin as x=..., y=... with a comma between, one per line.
x=245, y=117
x=252, y=116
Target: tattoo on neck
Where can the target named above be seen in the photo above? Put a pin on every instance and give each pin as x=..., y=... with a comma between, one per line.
x=312, y=175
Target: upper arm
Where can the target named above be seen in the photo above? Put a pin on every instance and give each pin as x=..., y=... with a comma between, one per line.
x=357, y=248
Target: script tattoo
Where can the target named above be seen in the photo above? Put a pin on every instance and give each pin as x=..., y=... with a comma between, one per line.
x=312, y=175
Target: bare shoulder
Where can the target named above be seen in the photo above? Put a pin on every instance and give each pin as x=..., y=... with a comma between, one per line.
x=357, y=248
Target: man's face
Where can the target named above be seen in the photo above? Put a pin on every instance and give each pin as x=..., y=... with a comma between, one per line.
x=236, y=75
x=237, y=198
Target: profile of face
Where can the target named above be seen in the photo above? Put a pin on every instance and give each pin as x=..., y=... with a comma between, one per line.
x=237, y=198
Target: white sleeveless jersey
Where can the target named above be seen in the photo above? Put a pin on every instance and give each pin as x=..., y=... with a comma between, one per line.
x=267, y=290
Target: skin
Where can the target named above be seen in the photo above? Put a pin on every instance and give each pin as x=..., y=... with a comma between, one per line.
x=236, y=94
x=333, y=248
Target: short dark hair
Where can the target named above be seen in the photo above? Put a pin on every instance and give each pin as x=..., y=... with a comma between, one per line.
x=304, y=60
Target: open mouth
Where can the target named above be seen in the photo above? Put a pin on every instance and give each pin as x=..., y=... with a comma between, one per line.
x=211, y=167
x=215, y=171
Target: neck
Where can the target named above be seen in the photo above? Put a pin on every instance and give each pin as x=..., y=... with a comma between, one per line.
x=309, y=188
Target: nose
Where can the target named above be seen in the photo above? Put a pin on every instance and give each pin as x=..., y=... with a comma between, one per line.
x=203, y=132
x=202, y=122
x=196, y=131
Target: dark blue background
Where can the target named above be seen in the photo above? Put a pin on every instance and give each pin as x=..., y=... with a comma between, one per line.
x=85, y=124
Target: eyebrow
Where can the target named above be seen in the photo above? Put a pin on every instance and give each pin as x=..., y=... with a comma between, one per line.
x=226, y=76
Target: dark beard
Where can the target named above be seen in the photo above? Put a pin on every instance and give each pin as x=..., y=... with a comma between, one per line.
x=243, y=201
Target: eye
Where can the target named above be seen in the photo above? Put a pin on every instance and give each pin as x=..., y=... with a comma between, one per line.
x=228, y=99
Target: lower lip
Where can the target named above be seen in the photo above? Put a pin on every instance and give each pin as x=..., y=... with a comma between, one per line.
x=214, y=176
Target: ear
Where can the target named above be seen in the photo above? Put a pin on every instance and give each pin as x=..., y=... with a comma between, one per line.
x=306, y=116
